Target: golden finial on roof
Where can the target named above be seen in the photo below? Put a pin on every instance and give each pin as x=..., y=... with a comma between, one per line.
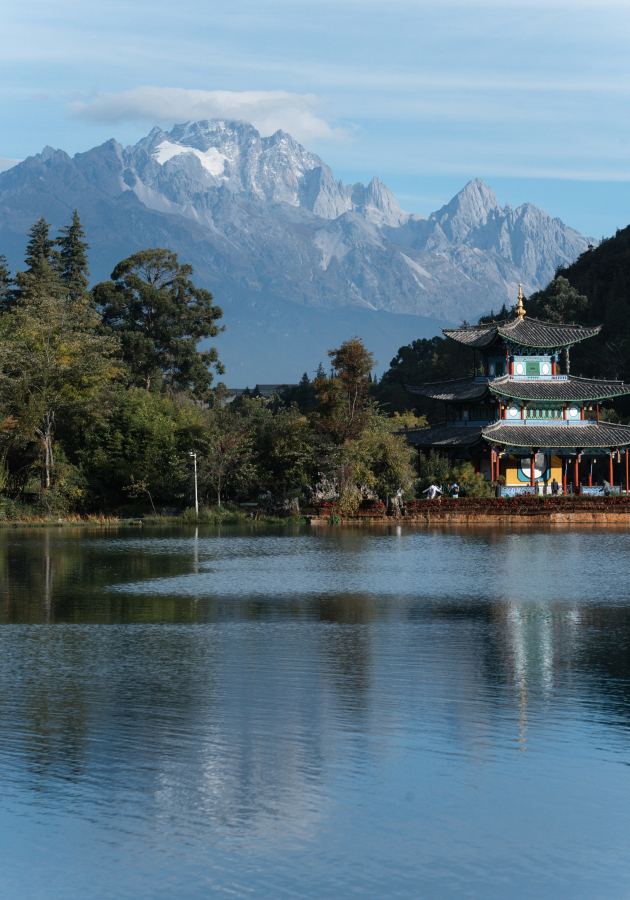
x=520, y=309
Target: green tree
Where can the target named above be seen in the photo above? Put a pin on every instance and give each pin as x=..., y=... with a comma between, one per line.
x=160, y=316
x=142, y=447
x=303, y=394
x=434, y=467
x=560, y=302
x=424, y=360
x=41, y=275
x=40, y=249
x=353, y=364
x=227, y=451
x=72, y=260
x=53, y=360
x=379, y=458
x=471, y=483
x=7, y=285
x=286, y=451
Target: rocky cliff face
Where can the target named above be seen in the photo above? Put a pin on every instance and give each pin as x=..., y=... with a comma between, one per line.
x=264, y=222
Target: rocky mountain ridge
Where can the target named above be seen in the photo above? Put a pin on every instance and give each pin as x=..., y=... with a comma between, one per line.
x=268, y=227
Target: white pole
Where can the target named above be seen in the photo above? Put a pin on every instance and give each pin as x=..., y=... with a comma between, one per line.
x=196, y=497
x=194, y=456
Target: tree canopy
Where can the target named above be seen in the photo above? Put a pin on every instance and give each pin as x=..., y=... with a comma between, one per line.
x=159, y=317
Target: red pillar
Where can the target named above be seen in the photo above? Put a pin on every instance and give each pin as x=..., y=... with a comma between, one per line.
x=590, y=472
x=564, y=476
x=532, y=474
x=627, y=473
x=610, y=470
x=576, y=476
x=492, y=455
x=554, y=367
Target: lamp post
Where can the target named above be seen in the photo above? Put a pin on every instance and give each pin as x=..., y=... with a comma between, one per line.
x=194, y=456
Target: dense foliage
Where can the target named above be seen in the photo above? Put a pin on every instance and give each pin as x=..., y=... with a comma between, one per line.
x=106, y=397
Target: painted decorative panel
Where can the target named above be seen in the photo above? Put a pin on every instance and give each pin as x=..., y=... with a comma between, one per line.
x=540, y=466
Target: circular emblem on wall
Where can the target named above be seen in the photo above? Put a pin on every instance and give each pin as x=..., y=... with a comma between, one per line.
x=545, y=368
x=513, y=411
x=520, y=369
x=574, y=412
x=540, y=466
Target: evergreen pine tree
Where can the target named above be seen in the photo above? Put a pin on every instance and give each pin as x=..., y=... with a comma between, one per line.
x=41, y=258
x=6, y=285
x=73, y=263
x=321, y=371
x=40, y=249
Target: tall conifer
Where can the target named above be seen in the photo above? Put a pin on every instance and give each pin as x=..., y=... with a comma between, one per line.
x=73, y=263
x=42, y=260
x=40, y=249
x=6, y=285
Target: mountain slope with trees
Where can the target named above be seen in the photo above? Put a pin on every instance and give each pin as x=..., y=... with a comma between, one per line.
x=594, y=290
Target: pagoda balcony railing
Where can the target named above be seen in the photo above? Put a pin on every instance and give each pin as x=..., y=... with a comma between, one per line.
x=523, y=377
x=539, y=377
x=554, y=422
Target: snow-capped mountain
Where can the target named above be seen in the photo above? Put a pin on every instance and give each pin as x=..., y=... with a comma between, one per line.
x=267, y=226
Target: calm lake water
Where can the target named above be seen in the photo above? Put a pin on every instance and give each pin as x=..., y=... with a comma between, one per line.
x=294, y=713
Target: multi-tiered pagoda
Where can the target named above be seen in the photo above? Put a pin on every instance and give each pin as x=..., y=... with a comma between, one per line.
x=527, y=418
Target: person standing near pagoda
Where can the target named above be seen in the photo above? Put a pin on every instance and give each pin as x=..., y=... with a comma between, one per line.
x=432, y=491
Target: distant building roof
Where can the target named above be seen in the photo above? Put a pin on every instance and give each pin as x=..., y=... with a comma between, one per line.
x=265, y=390
x=521, y=330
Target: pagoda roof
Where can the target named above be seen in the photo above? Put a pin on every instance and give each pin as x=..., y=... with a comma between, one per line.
x=445, y=436
x=574, y=437
x=521, y=330
x=448, y=391
x=569, y=388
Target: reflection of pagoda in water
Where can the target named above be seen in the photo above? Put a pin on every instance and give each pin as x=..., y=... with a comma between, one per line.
x=526, y=418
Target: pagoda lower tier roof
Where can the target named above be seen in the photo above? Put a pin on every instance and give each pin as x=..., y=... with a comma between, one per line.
x=525, y=331
x=445, y=436
x=448, y=391
x=571, y=388
x=558, y=437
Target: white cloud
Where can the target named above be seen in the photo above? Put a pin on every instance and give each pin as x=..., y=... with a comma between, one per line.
x=8, y=163
x=266, y=110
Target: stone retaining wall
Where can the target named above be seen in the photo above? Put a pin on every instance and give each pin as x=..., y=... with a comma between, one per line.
x=593, y=514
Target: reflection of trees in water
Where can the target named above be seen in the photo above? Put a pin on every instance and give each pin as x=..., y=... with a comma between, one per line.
x=227, y=721
x=64, y=574
x=241, y=719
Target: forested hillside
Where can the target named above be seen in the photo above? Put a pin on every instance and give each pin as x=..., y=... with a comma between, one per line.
x=594, y=290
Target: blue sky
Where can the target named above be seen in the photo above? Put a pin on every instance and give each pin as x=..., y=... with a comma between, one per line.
x=532, y=97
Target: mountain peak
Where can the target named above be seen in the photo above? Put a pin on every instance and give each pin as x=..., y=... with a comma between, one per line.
x=468, y=210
